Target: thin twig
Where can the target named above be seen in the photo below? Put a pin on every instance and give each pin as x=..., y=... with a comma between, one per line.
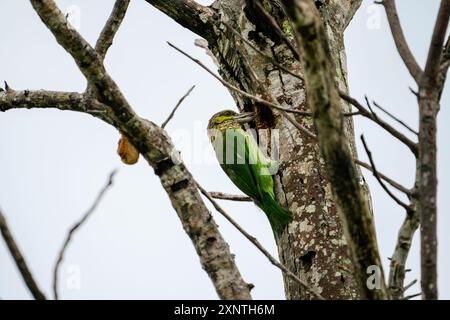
x=369, y=106
x=258, y=245
x=299, y=127
x=412, y=296
x=281, y=67
x=19, y=259
x=231, y=197
x=284, y=111
x=163, y=125
x=392, y=182
x=395, y=118
x=75, y=227
x=394, y=132
x=400, y=41
x=232, y=87
x=414, y=92
x=377, y=176
x=248, y=95
x=433, y=64
x=409, y=285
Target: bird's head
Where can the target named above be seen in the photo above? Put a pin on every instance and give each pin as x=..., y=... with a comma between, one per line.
x=228, y=119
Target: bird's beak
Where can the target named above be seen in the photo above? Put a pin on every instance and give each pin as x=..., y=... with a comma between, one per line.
x=245, y=117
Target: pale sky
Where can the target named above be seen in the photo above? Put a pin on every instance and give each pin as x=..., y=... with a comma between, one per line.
x=53, y=163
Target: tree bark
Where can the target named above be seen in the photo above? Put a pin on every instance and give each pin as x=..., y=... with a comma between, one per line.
x=313, y=246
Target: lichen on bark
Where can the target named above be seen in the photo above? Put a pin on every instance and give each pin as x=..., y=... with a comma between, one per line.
x=313, y=246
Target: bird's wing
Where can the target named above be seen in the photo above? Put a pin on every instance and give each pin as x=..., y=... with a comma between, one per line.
x=259, y=165
x=234, y=161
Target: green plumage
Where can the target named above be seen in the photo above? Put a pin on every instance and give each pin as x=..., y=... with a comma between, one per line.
x=245, y=164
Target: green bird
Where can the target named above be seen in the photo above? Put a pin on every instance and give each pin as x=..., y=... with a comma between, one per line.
x=244, y=163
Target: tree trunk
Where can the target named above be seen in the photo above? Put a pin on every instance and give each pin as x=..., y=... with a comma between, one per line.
x=313, y=245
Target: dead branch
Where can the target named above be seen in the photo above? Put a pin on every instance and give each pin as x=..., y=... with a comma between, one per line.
x=189, y=14
x=409, y=285
x=284, y=111
x=434, y=59
x=395, y=118
x=400, y=41
x=394, y=132
x=20, y=260
x=154, y=144
x=231, y=197
x=258, y=245
x=392, y=182
x=412, y=296
x=429, y=94
x=75, y=228
x=164, y=124
x=380, y=181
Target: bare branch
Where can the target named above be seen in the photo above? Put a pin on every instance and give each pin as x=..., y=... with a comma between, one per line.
x=188, y=13
x=392, y=182
x=287, y=70
x=400, y=41
x=377, y=176
x=232, y=197
x=108, y=33
x=75, y=227
x=19, y=259
x=395, y=118
x=397, y=267
x=257, y=99
x=434, y=58
x=409, y=285
x=115, y=19
x=26, y=99
x=258, y=245
x=154, y=144
x=426, y=179
x=163, y=125
x=42, y=99
x=412, y=296
x=365, y=113
x=232, y=87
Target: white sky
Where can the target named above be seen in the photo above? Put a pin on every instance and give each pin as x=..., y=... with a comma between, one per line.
x=53, y=163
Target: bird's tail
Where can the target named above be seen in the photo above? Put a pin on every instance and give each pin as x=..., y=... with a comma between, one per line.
x=278, y=217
